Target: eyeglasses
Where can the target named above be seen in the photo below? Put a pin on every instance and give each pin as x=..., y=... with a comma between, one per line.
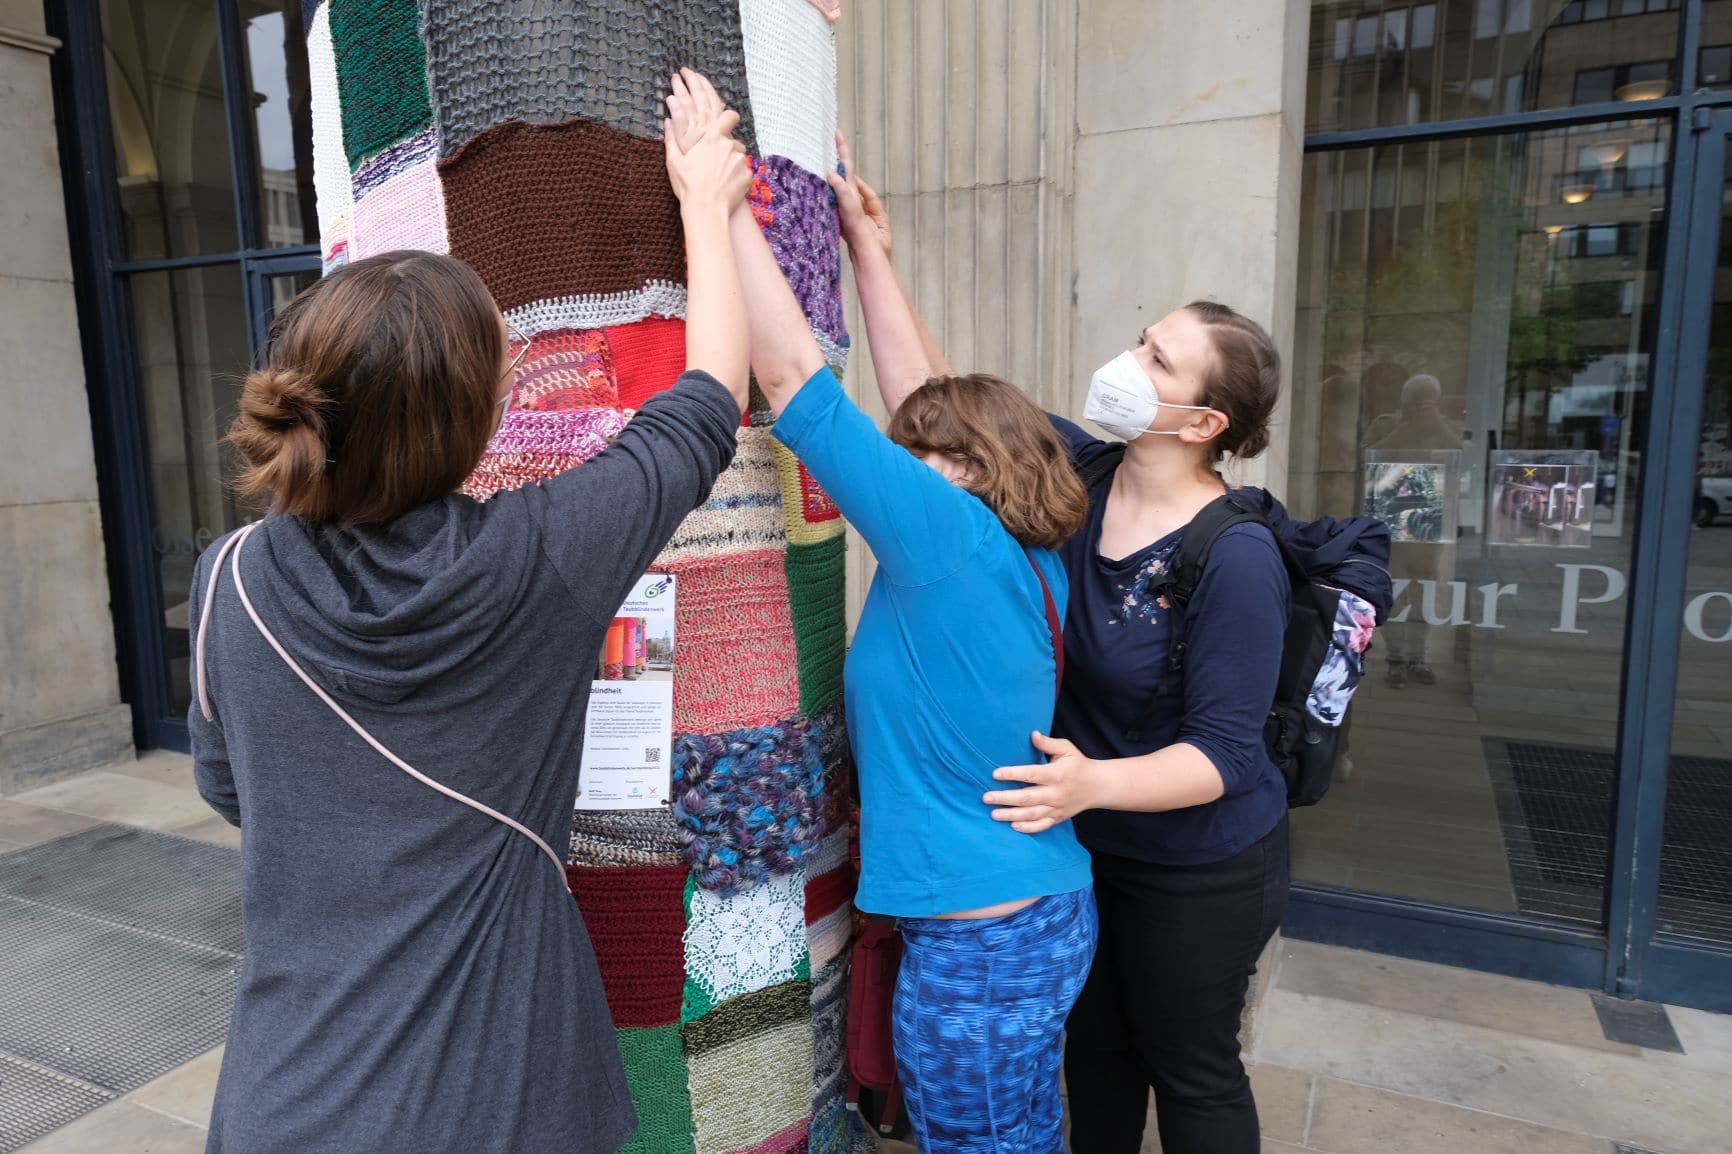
x=516, y=337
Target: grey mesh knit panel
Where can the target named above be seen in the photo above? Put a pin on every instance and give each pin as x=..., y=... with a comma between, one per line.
x=544, y=61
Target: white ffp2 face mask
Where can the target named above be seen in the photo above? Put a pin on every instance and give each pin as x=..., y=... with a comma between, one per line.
x=1122, y=400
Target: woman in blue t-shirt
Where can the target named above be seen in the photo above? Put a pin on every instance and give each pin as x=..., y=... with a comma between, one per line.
x=963, y=505
x=1173, y=792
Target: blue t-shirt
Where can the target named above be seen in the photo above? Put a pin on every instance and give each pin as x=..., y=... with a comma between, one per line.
x=950, y=672
x=1117, y=634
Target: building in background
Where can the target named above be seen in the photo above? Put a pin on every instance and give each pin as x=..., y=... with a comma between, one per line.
x=1487, y=234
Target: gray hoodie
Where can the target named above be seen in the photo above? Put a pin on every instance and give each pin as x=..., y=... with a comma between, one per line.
x=417, y=977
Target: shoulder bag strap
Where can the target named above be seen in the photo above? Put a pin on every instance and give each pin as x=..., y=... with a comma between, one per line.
x=1052, y=624
x=235, y=543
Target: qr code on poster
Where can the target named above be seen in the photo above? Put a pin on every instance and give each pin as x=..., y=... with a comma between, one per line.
x=653, y=754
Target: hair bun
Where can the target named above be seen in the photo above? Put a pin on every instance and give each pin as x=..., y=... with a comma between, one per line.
x=277, y=399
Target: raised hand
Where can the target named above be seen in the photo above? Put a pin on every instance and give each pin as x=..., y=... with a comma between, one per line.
x=706, y=165
x=863, y=216
x=693, y=104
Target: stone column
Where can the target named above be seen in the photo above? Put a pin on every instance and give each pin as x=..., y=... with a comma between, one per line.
x=60, y=708
x=1190, y=125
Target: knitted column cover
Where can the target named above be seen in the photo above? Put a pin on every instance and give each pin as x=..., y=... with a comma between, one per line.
x=523, y=138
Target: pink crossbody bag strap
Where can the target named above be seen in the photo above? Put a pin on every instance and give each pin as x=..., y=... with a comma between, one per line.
x=234, y=544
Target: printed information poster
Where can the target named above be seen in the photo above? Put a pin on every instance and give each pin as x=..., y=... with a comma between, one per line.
x=629, y=732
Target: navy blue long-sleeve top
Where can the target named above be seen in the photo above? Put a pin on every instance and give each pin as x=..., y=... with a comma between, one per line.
x=1117, y=635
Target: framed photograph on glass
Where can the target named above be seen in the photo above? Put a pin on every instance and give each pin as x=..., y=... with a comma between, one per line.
x=1414, y=491
x=1544, y=497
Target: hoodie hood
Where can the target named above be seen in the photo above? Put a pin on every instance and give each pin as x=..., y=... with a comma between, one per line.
x=379, y=611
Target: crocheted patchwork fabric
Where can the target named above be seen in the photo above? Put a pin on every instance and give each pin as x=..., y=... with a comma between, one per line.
x=812, y=515
x=422, y=148
x=566, y=369
x=636, y=921
x=829, y=1012
x=630, y=837
x=735, y=945
x=753, y=1094
x=548, y=211
x=535, y=445
x=838, y=767
x=791, y=71
x=606, y=60
x=331, y=182
x=734, y=659
x=746, y=1015
x=406, y=210
x=655, y=1072
x=382, y=71
x=656, y=299
x=749, y=802
x=743, y=513
x=817, y=602
x=651, y=355
x=796, y=211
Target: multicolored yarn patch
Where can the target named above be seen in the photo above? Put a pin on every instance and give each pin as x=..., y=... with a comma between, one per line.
x=406, y=209
x=817, y=602
x=743, y=513
x=332, y=189
x=382, y=71
x=812, y=515
x=650, y=355
x=746, y=1015
x=838, y=766
x=749, y=801
x=533, y=446
x=734, y=664
x=655, y=1072
x=637, y=922
x=735, y=945
x=751, y=1095
x=548, y=211
x=626, y=837
x=829, y=1012
x=838, y=1130
x=796, y=212
x=566, y=369
x=791, y=71
x=606, y=60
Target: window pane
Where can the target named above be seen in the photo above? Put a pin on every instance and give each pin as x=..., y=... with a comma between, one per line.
x=1486, y=58
x=282, y=120
x=1696, y=850
x=1714, y=66
x=171, y=145
x=190, y=331
x=1472, y=365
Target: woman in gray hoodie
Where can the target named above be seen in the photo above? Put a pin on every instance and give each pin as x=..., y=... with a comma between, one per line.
x=417, y=977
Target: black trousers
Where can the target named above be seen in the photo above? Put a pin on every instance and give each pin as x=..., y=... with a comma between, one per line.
x=1161, y=1008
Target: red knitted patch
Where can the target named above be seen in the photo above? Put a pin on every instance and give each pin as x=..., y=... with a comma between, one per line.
x=637, y=923
x=567, y=369
x=734, y=664
x=826, y=893
x=648, y=357
x=815, y=504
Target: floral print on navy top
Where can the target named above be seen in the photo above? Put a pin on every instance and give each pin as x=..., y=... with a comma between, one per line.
x=1139, y=602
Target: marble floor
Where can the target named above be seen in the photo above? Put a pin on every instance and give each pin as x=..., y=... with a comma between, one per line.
x=1352, y=1053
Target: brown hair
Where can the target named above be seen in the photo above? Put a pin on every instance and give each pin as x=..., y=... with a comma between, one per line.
x=1020, y=467
x=377, y=393
x=1244, y=381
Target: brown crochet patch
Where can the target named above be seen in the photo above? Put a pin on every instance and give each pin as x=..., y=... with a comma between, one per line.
x=545, y=211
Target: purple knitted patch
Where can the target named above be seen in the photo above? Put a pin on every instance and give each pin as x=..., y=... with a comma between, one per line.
x=579, y=432
x=797, y=212
x=400, y=157
x=749, y=802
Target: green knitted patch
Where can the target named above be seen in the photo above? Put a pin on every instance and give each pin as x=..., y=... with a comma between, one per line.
x=655, y=1069
x=381, y=73
x=817, y=598
x=748, y=1014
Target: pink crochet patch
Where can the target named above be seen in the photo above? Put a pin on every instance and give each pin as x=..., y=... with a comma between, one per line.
x=533, y=446
x=406, y=211
x=734, y=657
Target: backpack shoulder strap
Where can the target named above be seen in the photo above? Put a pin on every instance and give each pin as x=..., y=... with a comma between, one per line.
x=1053, y=626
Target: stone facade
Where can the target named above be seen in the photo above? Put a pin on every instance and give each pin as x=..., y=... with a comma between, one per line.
x=60, y=708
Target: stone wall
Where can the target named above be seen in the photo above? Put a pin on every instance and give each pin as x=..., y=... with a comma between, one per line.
x=60, y=708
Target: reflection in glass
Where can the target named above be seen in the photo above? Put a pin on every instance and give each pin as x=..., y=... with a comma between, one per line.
x=282, y=120
x=171, y=147
x=1376, y=64
x=1471, y=359
x=1714, y=60
x=1696, y=850
x=190, y=332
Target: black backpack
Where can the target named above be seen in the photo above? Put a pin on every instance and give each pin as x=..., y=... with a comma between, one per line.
x=1341, y=589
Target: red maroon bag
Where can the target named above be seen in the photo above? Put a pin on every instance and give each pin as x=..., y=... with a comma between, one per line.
x=877, y=957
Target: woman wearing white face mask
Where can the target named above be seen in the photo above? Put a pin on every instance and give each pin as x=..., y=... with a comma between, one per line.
x=1172, y=789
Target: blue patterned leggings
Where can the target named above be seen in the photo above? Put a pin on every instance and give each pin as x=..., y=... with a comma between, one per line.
x=979, y=1024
